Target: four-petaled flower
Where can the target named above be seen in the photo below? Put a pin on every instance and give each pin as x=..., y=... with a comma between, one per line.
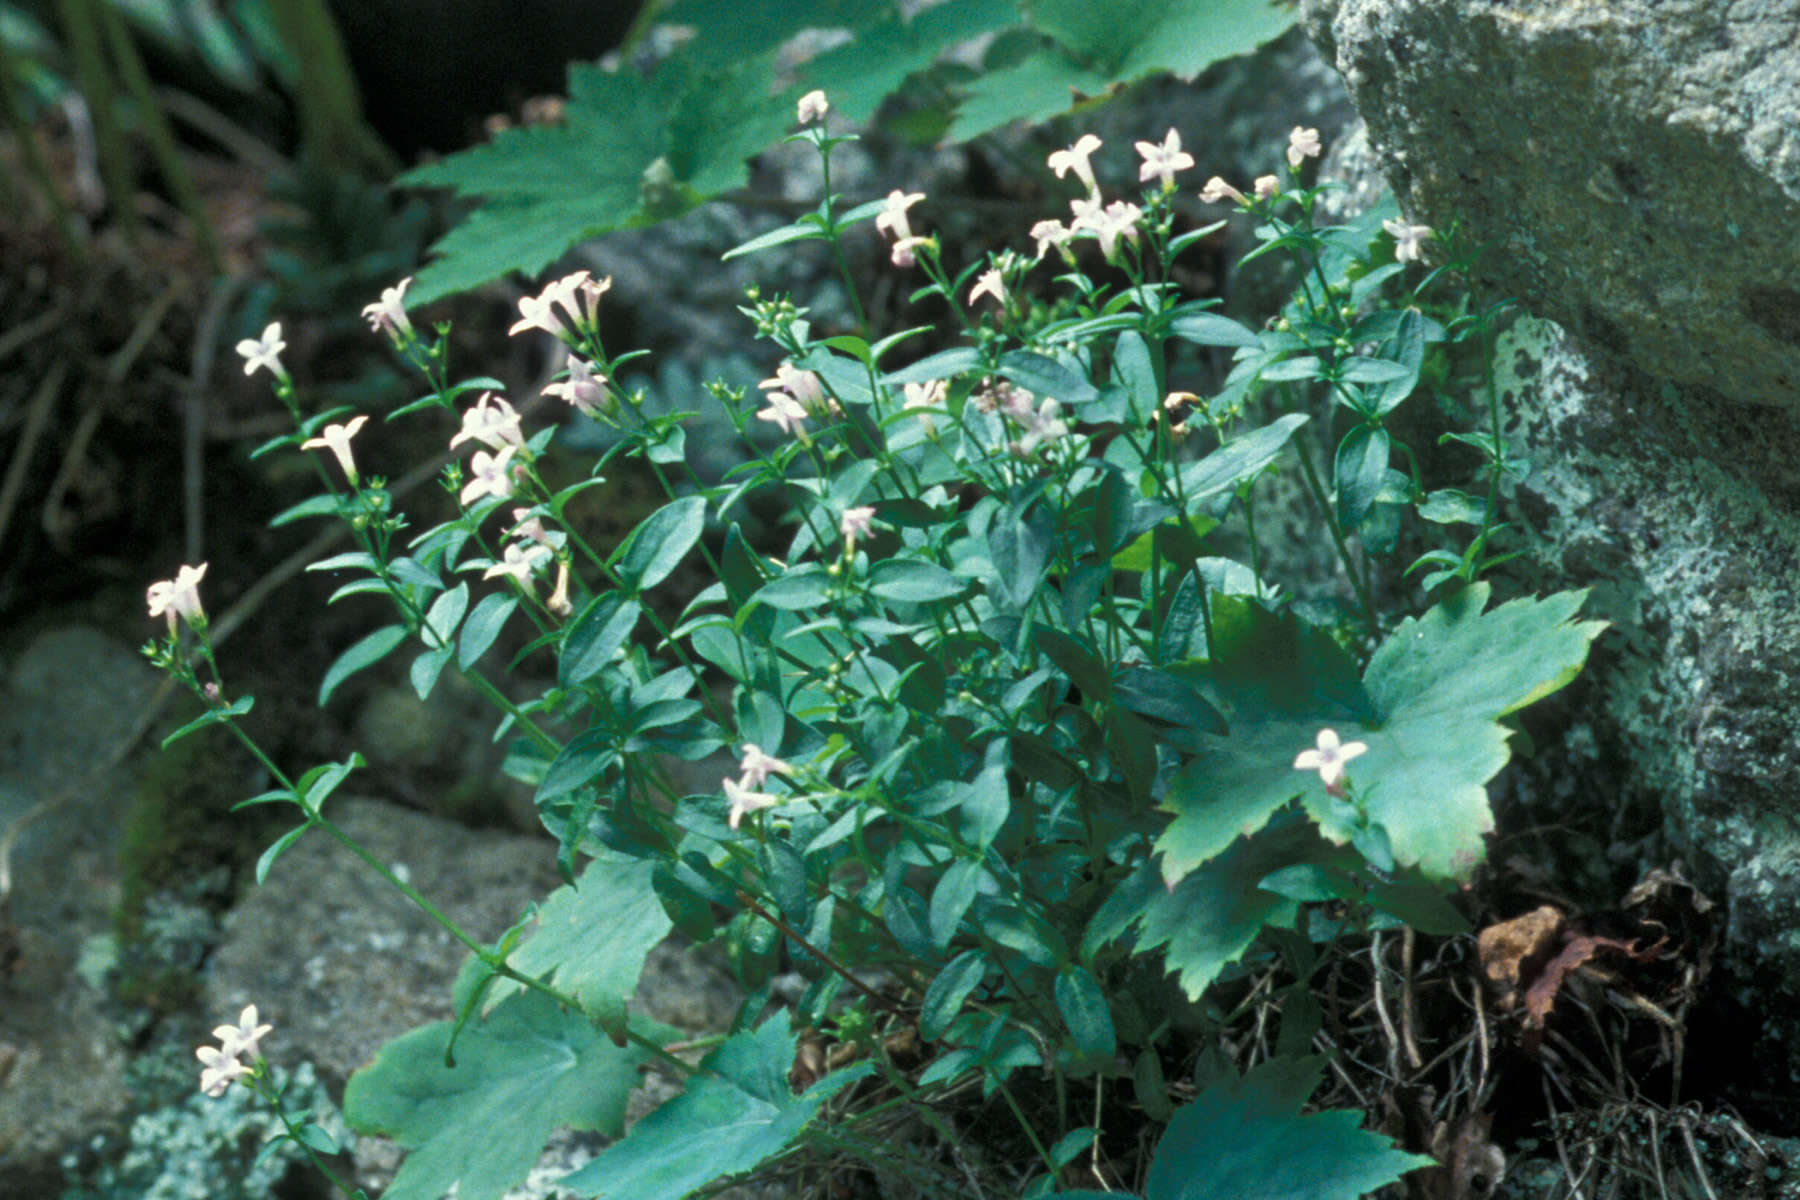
x=892, y=221
x=1302, y=144
x=744, y=800
x=585, y=388
x=242, y=1038
x=1409, y=240
x=492, y=422
x=1118, y=219
x=991, y=283
x=786, y=412
x=1045, y=424
x=520, y=560
x=756, y=767
x=855, y=522
x=389, y=312
x=218, y=1070
x=812, y=107
x=1161, y=162
x=1217, y=189
x=1328, y=758
x=491, y=477
x=923, y=397
x=264, y=352
x=804, y=387
x=1075, y=159
x=336, y=438
x=539, y=311
x=1051, y=233
x=178, y=597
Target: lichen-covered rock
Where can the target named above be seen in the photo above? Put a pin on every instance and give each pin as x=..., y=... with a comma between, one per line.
x=1635, y=165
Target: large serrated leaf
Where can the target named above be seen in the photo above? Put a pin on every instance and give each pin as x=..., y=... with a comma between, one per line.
x=480, y=1125
x=734, y=1116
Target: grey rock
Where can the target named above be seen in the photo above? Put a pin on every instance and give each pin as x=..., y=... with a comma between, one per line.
x=1635, y=164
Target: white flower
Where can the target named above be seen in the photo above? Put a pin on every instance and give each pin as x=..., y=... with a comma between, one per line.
x=855, y=522
x=178, y=597
x=265, y=352
x=1409, y=240
x=1267, y=187
x=744, y=800
x=892, y=221
x=1089, y=213
x=812, y=107
x=1164, y=160
x=520, y=560
x=1302, y=144
x=242, y=1038
x=1118, y=219
x=336, y=438
x=804, y=387
x=492, y=422
x=923, y=397
x=1044, y=425
x=389, y=312
x=1051, y=233
x=539, y=311
x=1217, y=189
x=218, y=1070
x=786, y=412
x=1075, y=159
x=989, y=284
x=585, y=388
x=558, y=602
x=490, y=475
x=756, y=767
x=1329, y=757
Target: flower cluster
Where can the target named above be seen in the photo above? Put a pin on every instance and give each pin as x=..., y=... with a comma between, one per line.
x=221, y=1065
x=754, y=770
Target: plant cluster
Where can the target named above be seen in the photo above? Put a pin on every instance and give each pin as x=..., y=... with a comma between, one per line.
x=1024, y=776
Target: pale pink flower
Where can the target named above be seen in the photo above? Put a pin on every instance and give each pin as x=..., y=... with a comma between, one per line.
x=1267, y=187
x=264, y=352
x=1329, y=757
x=902, y=254
x=521, y=561
x=558, y=602
x=855, y=522
x=336, y=438
x=590, y=292
x=218, y=1070
x=756, y=767
x=1409, y=240
x=539, y=311
x=490, y=476
x=786, y=412
x=1043, y=425
x=242, y=1038
x=1051, y=233
x=812, y=107
x=585, y=388
x=178, y=597
x=530, y=528
x=1119, y=219
x=892, y=221
x=743, y=800
x=389, y=312
x=805, y=387
x=492, y=422
x=1075, y=159
x=1302, y=144
x=990, y=283
x=1217, y=189
x=1089, y=212
x=923, y=397
x=1161, y=162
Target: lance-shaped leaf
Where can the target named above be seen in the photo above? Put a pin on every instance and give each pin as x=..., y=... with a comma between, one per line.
x=480, y=1125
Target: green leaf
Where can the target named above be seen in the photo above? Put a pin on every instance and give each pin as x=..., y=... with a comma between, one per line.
x=803, y=587
x=1045, y=376
x=657, y=546
x=944, y=998
x=587, y=756
x=951, y=898
x=1238, y=461
x=483, y=627
x=365, y=653
x=276, y=850
x=913, y=581
x=530, y=1067
x=1129, y=39
x=1083, y=1008
x=596, y=636
x=1246, y=1140
x=1360, y=470
x=592, y=938
x=863, y=72
x=1448, y=506
x=211, y=716
x=736, y=1114
x=1211, y=329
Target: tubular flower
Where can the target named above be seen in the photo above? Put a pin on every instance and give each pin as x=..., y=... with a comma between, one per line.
x=892, y=221
x=855, y=522
x=389, y=313
x=1328, y=758
x=558, y=602
x=1075, y=159
x=1267, y=187
x=492, y=422
x=1161, y=162
x=242, y=1038
x=1302, y=144
x=991, y=283
x=584, y=389
x=264, y=352
x=336, y=438
x=812, y=107
x=539, y=311
x=491, y=477
x=923, y=397
x=743, y=800
x=803, y=387
x=1118, y=220
x=521, y=561
x=756, y=767
x=1051, y=233
x=1409, y=240
x=786, y=412
x=178, y=597
x=1217, y=189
